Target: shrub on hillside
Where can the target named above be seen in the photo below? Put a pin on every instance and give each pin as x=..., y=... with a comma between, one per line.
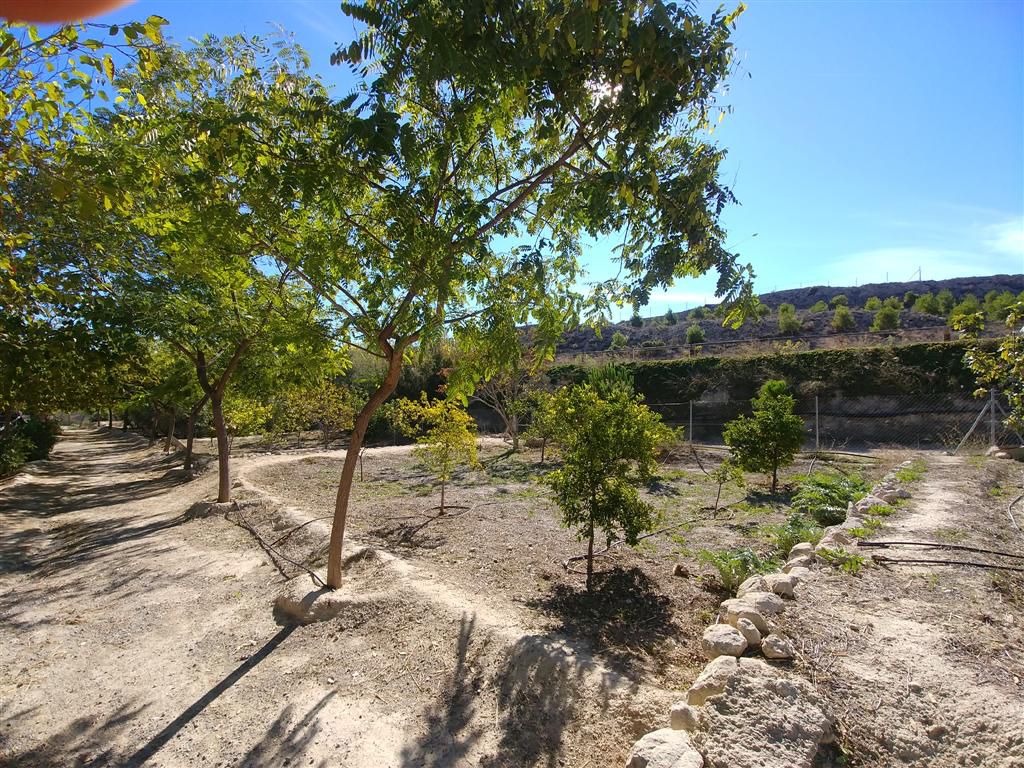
x=873, y=304
x=788, y=321
x=886, y=319
x=839, y=301
x=619, y=341
x=842, y=319
x=818, y=306
x=694, y=334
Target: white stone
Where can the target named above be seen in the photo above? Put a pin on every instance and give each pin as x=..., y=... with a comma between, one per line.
x=889, y=495
x=749, y=631
x=683, y=717
x=765, y=603
x=801, y=549
x=722, y=640
x=803, y=561
x=762, y=719
x=712, y=680
x=736, y=609
x=664, y=748
x=753, y=584
x=799, y=575
x=868, y=502
x=781, y=584
x=777, y=647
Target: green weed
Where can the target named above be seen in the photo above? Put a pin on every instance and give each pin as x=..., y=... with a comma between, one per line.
x=826, y=496
x=911, y=474
x=735, y=566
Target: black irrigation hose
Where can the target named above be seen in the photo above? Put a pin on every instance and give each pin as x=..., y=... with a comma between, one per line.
x=934, y=545
x=882, y=560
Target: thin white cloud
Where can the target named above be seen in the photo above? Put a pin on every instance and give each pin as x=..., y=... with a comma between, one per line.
x=1008, y=237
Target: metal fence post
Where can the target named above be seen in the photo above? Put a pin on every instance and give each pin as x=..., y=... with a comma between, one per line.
x=817, y=426
x=992, y=416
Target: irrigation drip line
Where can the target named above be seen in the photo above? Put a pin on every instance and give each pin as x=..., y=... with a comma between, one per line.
x=934, y=545
x=883, y=560
x=317, y=581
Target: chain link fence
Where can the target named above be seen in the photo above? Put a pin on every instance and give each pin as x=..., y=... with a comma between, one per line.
x=926, y=421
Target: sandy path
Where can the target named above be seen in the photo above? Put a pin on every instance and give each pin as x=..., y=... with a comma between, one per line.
x=131, y=634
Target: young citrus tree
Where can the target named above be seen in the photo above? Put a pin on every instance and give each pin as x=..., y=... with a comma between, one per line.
x=445, y=435
x=1002, y=367
x=608, y=449
x=771, y=438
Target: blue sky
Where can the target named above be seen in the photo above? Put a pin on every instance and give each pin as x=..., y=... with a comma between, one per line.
x=866, y=139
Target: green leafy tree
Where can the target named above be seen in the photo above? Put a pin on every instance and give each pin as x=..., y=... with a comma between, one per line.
x=608, y=449
x=771, y=438
x=211, y=208
x=484, y=126
x=619, y=341
x=694, y=334
x=509, y=394
x=670, y=318
x=543, y=419
x=636, y=321
x=910, y=299
x=611, y=380
x=886, y=319
x=839, y=300
x=894, y=302
x=788, y=321
x=818, y=306
x=873, y=304
x=968, y=306
x=928, y=304
x=946, y=302
x=843, y=320
x=445, y=435
x=1003, y=367
x=699, y=313
x=998, y=305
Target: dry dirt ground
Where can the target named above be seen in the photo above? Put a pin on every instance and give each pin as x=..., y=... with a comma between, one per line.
x=923, y=664
x=132, y=631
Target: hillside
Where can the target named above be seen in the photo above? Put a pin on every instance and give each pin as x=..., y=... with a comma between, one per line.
x=803, y=298
x=656, y=337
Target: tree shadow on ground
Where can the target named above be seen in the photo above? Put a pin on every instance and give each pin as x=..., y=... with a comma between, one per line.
x=83, y=742
x=284, y=742
x=410, y=531
x=157, y=742
x=624, y=617
x=539, y=690
x=450, y=733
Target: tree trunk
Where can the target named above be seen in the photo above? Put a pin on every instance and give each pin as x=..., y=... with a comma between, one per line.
x=191, y=430
x=223, y=448
x=775, y=479
x=152, y=428
x=543, y=445
x=514, y=429
x=442, y=497
x=355, y=445
x=590, y=557
x=170, y=431
x=110, y=419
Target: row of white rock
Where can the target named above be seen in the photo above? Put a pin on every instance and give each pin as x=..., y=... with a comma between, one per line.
x=744, y=623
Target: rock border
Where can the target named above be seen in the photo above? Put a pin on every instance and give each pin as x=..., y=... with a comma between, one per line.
x=734, y=681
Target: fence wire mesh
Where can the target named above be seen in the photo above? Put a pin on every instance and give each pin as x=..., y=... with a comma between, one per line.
x=926, y=421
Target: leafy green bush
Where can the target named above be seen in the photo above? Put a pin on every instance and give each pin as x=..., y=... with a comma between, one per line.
x=825, y=496
x=14, y=451
x=843, y=320
x=873, y=304
x=41, y=434
x=911, y=474
x=886, y=319
x=735, y=566
x=619, y=340
x=842, y=559
x=818, y=306
x=796, y=529
x=694, y=334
